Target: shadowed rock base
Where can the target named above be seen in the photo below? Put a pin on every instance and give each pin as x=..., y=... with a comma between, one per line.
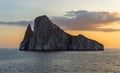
x=49, y=37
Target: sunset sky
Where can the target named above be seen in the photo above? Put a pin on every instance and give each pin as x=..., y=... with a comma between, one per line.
x=96, y=19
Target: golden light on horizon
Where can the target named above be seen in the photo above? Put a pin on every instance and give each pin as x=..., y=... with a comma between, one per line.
x=115, y=25
x=108, y=39
x=11, y=36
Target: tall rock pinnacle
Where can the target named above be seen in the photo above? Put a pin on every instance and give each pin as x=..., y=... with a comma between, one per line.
x=26, y=40
x=49, y=37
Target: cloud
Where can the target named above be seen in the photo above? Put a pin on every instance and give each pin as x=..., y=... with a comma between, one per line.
x=17, y=23
x=79, y=20
x=85, y=20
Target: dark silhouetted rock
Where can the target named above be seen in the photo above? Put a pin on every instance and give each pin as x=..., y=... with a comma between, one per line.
x=82, y=43
x=25, y=43
x=49, y=37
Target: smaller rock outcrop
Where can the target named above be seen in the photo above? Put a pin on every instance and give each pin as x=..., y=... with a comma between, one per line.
x=24, y=44
x=49, y=37
x=83, y=43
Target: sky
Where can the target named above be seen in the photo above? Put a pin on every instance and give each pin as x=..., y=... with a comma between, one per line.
x=96, y=19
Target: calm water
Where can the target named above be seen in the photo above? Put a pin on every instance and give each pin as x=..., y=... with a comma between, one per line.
x=15, y=61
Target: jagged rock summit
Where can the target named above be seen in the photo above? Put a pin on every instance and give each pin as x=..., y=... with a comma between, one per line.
x=49, y=37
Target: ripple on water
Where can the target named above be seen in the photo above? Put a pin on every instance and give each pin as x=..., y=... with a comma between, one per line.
x=14, y=61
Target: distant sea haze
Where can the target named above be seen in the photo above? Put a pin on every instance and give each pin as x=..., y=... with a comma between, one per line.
x=15, y=61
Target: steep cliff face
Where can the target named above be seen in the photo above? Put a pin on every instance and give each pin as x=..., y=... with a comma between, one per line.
x=24, y=44
x=49, y=37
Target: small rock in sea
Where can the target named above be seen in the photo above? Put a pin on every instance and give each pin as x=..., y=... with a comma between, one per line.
x=49, y=37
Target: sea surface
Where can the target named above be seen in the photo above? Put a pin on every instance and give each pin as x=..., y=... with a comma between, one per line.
x=15, y=61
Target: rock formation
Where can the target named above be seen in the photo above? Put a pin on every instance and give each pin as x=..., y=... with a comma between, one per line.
x=25, y=43
x=49, y=37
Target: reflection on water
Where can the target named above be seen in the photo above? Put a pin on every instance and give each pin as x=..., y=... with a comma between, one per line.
x=15, y=61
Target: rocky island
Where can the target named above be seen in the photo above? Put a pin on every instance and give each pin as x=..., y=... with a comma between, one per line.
x=47, y=36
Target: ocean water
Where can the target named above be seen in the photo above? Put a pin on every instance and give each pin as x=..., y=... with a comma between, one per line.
x=15, y=61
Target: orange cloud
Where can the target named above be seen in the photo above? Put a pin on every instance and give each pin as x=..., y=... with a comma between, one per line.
x=85, y=20
x=80, y=20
